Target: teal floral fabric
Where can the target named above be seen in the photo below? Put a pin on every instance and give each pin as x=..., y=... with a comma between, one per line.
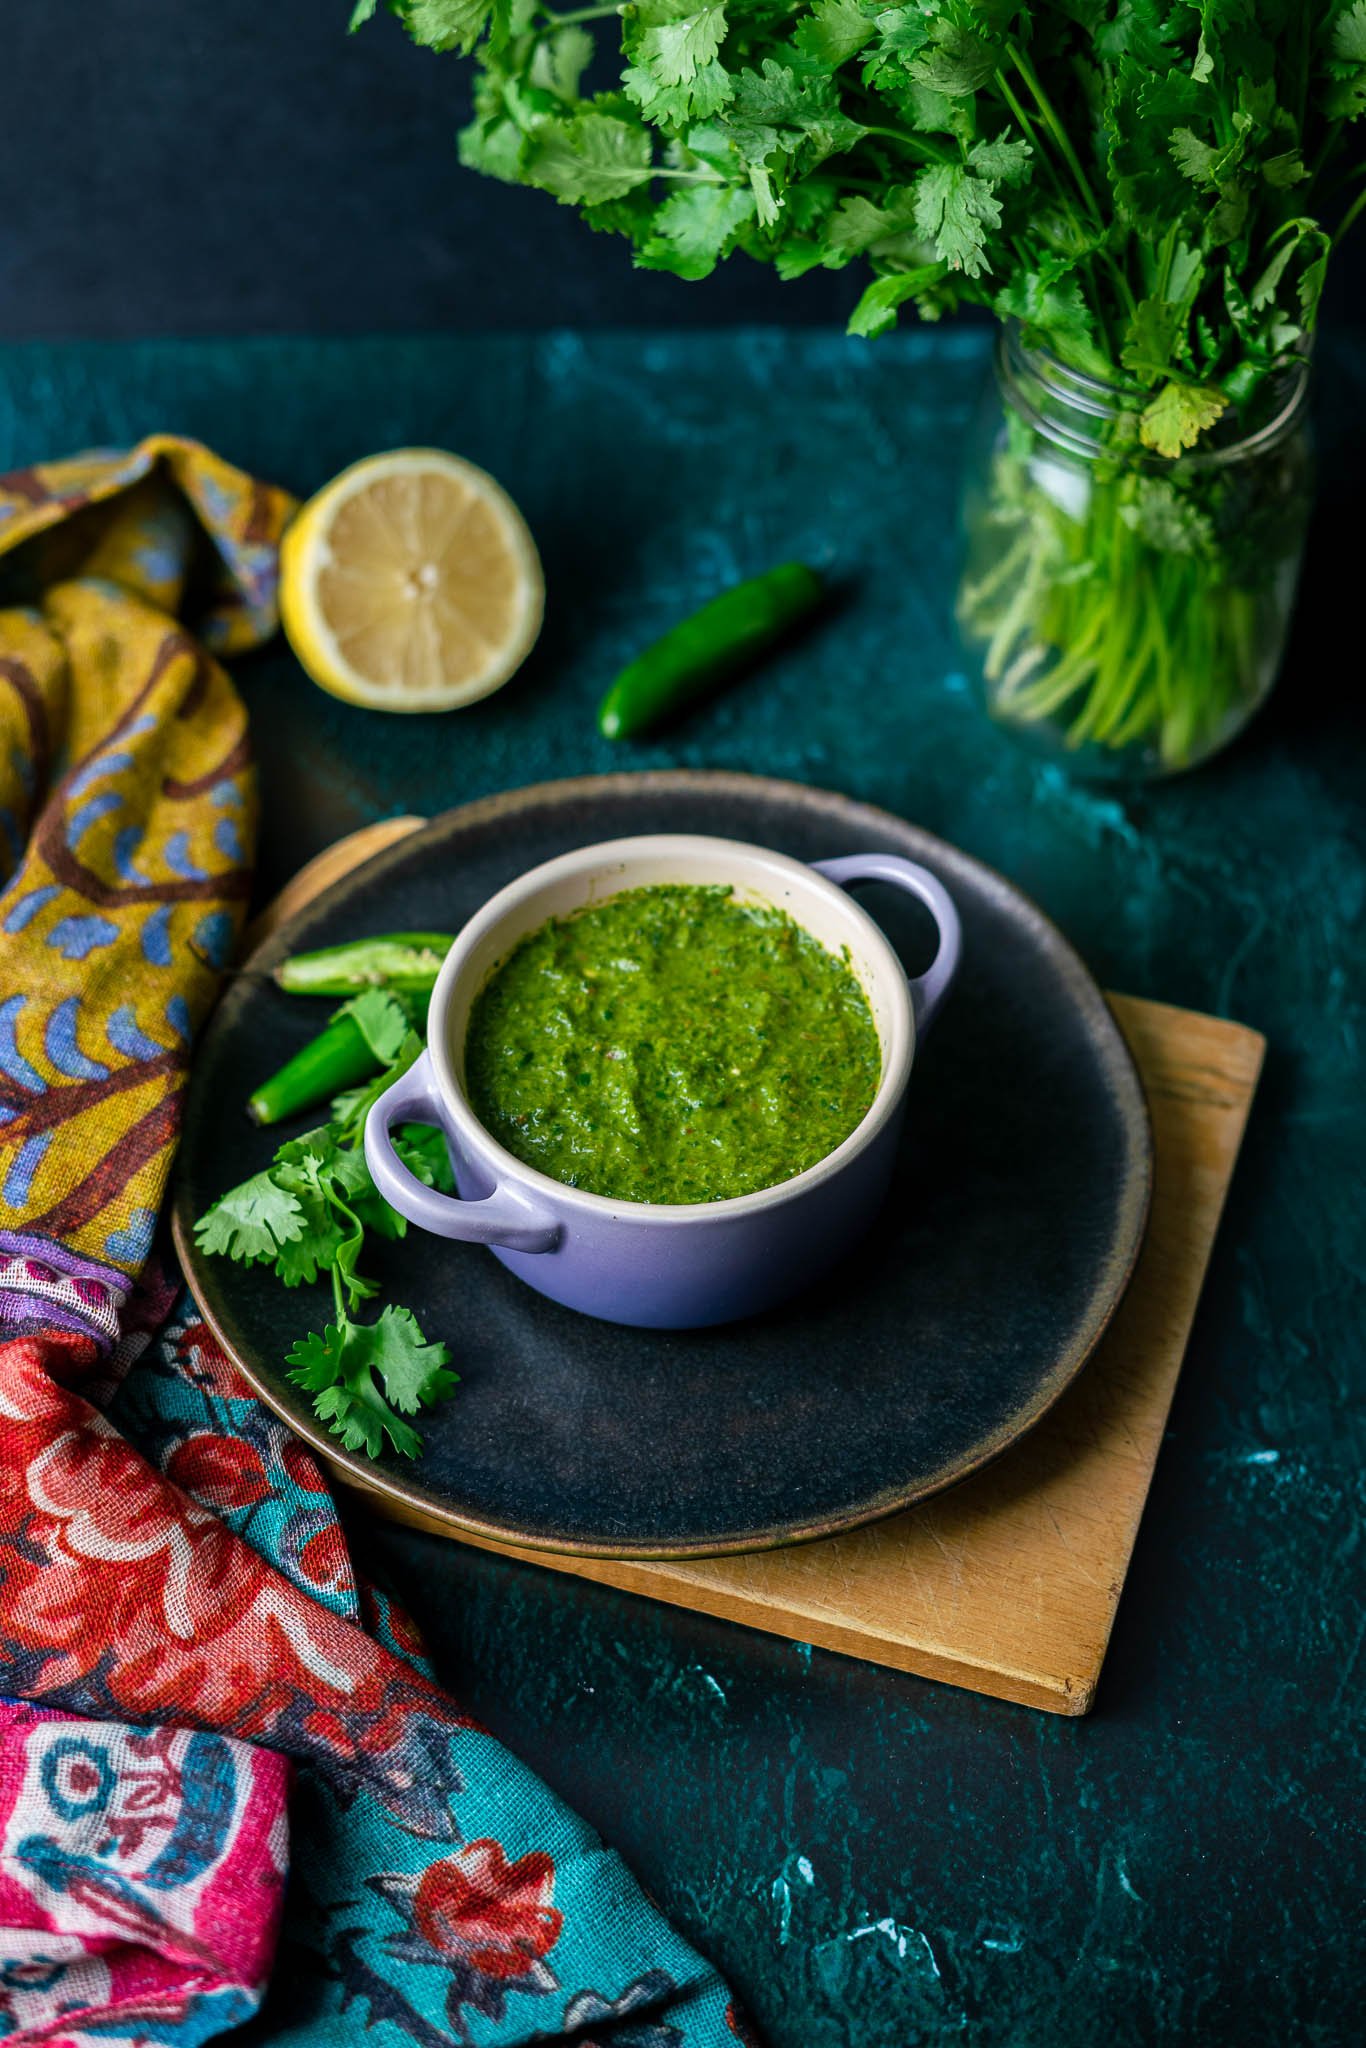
x=171, y=1561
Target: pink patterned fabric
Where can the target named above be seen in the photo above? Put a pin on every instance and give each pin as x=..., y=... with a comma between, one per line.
x=167, y=1554
x=141, y=1879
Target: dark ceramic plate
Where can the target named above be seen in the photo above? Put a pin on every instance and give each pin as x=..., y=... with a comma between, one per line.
x=1011, y=1231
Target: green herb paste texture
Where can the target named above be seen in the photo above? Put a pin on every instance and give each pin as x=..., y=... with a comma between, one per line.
x=672, y=1045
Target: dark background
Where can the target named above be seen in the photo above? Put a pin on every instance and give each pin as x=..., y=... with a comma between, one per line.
x=245, y=166
x=234, y=166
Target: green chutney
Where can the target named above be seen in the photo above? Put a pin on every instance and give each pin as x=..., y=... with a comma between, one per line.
x=672, y=1044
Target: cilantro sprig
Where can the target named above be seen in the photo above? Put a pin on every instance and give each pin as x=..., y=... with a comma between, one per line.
x=344, y=1366
x=306, y=1216
x=1149, y=186
x=1148, y=190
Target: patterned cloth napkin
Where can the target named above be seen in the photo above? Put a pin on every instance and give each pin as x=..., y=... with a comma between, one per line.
x=179, y=1615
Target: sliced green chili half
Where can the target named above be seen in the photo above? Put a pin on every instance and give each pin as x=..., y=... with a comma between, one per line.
x=406, y=961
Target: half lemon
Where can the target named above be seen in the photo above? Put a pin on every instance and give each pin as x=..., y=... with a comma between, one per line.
x=411, y=583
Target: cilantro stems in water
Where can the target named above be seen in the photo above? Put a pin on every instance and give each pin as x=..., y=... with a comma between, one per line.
x=308, y=1214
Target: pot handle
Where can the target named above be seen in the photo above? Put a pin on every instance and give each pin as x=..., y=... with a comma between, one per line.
x=929, y=989
x=506, y=1217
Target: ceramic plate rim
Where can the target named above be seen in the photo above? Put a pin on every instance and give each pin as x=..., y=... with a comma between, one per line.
x=390, y=1491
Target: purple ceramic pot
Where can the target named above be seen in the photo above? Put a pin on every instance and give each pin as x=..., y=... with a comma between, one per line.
x=663, y=1265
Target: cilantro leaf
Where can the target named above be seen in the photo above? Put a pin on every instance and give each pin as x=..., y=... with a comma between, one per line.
x=1051, y=307
x=252, y=1221
x=316, y=1171
x=1227, y=221
x=493, y=147
x=423, y=1151
x=415, y=1373
x=954, y=211
x=1199, y=160
x=350, y=1109
x=1313, y=278
x=1184, y=275
x=834, y=31
x=1151, y=339
x=589, y=159
x=903, y=32
x=1178, y=416
x=1264, y=289
x=778, y=106
x=701, y=96
x=339, y=1365
x=674, y=76
x=1285, y=170
x=313, y=1147
x=859, y=226
x=308, y=1214
x=695, y=227
x=1166, y=520
x=1145, y=107
x=956, y=61
x=444, y=24
x=325, y=1231
x=876, y=311
x=314, y=1251
x=558, y=63
x=673, y=46
x=1003, y=161
x=1349, y=35
x=1137, y=31
x=382, y=1020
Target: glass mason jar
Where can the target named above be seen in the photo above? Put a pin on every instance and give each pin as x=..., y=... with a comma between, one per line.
x=1125, y=612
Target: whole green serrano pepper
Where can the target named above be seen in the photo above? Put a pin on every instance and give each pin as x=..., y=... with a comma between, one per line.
x=703, y=652
x=338, y=1058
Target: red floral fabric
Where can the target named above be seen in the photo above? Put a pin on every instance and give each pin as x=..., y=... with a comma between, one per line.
x=183, y=1566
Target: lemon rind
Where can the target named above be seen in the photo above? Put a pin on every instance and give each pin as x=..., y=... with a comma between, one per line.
x=311, y=638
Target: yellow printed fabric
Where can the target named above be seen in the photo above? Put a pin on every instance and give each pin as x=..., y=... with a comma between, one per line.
x=127, y=821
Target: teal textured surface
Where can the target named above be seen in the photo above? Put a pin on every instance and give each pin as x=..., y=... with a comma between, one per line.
x=873, y=1860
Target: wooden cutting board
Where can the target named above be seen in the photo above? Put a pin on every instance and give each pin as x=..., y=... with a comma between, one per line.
x=1008, y=1583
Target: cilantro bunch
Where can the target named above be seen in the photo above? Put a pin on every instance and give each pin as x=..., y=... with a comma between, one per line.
x=1152, y=187
x=307, y=1216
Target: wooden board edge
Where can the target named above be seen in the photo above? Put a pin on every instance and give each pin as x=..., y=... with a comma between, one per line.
x=1242, y=1113
x=1151, y=1026
x=1069, y=1696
